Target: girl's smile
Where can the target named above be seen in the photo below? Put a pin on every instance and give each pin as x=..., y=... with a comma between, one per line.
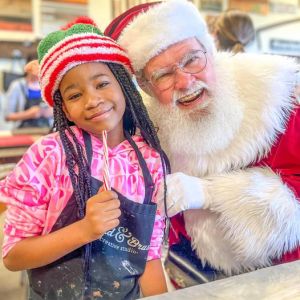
x=100, y=115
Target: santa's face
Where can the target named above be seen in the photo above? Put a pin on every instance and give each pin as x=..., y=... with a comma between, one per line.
x=189, y=92
x=193, y=131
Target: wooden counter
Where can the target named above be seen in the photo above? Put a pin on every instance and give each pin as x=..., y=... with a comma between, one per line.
x=14, y=143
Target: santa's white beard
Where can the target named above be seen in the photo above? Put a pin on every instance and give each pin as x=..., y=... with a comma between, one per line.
x=190, y=134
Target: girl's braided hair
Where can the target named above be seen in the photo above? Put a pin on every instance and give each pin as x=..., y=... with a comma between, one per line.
x=135, y=116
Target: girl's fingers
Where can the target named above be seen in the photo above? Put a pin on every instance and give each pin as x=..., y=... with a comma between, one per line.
x=103, y=195
x=110, y=214
x=113, y=214
x=110, y=205
x=112, y=224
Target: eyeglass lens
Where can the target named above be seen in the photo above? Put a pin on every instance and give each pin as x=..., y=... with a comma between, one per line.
x=192, y=63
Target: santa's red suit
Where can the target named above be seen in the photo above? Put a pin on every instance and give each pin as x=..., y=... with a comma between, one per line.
x=249, y=174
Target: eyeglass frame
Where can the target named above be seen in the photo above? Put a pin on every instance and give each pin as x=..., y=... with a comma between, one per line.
x=178, y=65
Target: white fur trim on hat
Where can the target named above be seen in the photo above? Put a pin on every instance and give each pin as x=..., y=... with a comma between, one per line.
x=161, y=26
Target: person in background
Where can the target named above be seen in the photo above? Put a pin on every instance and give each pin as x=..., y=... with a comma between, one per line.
x=230, y=126
x=24, y=105
x=234, y=31
x=211, y=22
x=76, y=239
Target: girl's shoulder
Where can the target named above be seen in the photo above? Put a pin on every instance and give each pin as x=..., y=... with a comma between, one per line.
x=43, y=160
x=49, y=141
x=144, y=147
x=151, y=155
x=45, y=147
x=51, y=144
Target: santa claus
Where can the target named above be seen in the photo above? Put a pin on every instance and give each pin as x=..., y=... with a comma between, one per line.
x=231, y=128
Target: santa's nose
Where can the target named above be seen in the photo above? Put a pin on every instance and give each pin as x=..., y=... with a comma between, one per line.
x=183, y=80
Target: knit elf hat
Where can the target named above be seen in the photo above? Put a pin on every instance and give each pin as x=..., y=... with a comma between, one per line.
x=79, y=42
x=146, y=30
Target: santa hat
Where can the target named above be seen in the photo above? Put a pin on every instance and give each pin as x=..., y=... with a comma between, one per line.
x=147, y=29
x=80, y=42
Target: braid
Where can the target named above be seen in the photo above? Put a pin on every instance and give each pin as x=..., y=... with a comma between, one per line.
x=74, y=157
x=140, y=117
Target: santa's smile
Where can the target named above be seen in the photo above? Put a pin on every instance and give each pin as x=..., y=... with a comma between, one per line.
x=192, y=99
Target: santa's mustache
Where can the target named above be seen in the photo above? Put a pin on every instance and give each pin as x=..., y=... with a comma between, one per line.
x=197, y=87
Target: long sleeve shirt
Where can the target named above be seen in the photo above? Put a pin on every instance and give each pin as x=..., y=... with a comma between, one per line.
x=39, y=187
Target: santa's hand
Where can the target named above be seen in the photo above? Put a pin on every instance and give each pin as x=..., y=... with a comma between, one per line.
x=183, y=192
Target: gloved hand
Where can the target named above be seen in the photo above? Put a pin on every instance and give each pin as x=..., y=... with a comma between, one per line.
x=183, y=192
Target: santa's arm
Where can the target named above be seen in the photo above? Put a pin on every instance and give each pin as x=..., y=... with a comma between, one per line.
x=255, y=216
x=260, y=215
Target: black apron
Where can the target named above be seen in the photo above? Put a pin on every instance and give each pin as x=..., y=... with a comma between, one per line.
x=38, y=122
x=118, y=258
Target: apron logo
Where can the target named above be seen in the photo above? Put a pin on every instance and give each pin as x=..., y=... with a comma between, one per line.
x=121, y=235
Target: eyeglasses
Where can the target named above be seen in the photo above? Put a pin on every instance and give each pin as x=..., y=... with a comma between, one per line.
x=192, y=63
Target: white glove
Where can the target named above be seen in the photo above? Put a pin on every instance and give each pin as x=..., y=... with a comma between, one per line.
x=183, y=192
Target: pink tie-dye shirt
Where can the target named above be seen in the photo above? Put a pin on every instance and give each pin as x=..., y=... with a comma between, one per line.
x=39, y=187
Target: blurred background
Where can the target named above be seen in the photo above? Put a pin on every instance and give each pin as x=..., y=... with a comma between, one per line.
x=24, y=22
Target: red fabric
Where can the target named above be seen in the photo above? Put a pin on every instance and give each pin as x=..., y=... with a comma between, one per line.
x=98, y=40
x=116, y=27
x=284, y=159
x=88, y=57
x=177, y=227
x=16, y=141
x=79, y=20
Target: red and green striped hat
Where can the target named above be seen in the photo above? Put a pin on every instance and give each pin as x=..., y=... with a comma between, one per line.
x=80, y=42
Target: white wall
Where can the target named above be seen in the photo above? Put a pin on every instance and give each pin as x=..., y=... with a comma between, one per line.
x=101, y=12
x=285, y=32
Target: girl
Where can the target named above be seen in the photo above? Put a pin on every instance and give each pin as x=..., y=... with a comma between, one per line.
x=76, y=240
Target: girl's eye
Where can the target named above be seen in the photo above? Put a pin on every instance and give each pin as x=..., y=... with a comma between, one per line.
x=102, y=84
x=74, y=96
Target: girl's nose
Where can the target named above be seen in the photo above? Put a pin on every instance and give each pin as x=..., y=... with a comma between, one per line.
x=92, y=100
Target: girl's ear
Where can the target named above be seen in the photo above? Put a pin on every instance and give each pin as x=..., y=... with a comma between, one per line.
x=66, y=112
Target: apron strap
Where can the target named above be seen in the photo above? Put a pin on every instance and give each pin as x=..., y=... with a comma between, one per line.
x=149, y=186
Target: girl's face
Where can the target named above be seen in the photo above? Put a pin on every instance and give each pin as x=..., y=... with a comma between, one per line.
x=94, y=101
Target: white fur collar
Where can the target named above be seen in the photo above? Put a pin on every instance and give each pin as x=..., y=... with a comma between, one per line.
x=259, y=88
